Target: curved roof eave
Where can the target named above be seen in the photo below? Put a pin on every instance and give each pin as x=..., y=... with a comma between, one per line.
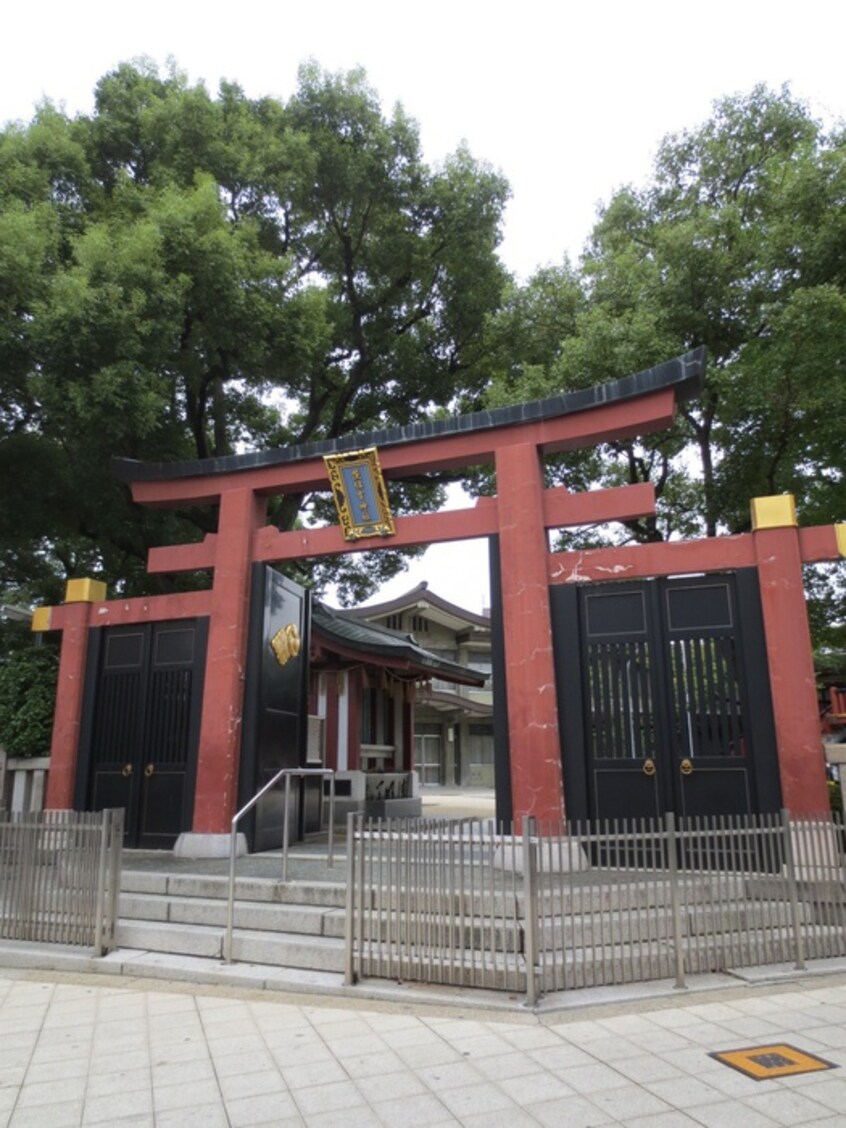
x=368, y=638
x=684, y=373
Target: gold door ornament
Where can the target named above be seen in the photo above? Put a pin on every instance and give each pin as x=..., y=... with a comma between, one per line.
x=286, y=644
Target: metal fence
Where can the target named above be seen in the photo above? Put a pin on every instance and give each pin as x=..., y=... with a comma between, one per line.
x=60, y=877
x=458, y=902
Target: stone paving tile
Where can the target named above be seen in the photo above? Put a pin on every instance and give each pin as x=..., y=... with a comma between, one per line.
x=562, y=1056
x=609, y=1049
x=226, y=1065
x=201, y=1116
x=644, y=1068
x=104, y=1063
x=753, y=1028
x=629, y=1101
x=788, y=1107
x=503, y=1066
x=534, y=1087
x=574, y=1112
x=436, y=1053
x=189, y=1095
x=389, y=1086
x=369, y=1043
x=366, y=1065
x=473, y=1099
x=251, y=1084
x=54, y=1115
x=500, y=1118
x=830, y=1092
x=833, y=1036
x=112, y=1105
x=672, y=1119
x=330, y=1097
x=267, y=1108
x=122, y=1080
x=732, y=1114
x=421, y=1110
x=590, y=1079
x=308, y=1073
x=685, y=1092
x=450, y=1075
x=343, y=1118
x=182, y=1072
x=56, y=1091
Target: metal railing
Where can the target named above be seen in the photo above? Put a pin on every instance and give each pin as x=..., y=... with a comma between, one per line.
x=426, y=902
x=60, y=877
x=629, y=901
x=286, y=774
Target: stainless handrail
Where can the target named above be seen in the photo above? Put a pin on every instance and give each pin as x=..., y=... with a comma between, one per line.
x=233, y=837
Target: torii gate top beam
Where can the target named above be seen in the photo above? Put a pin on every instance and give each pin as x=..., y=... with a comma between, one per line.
x=636, y=404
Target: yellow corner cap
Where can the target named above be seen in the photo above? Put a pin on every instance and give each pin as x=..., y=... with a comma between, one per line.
x=840, y=533
x=85, y=591
x=41, y=618
x=774, y=512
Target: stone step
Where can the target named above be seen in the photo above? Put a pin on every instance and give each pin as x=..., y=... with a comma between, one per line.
x=316, y=953
x=308, y=920
x=246, y=888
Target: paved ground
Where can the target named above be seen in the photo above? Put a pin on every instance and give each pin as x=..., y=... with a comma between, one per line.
x=88, y=1049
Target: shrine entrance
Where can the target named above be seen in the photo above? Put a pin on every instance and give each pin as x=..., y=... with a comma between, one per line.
x=666, y=714
x=665, y=703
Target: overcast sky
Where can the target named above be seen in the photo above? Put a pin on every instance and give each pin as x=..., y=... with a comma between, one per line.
x=568, y=101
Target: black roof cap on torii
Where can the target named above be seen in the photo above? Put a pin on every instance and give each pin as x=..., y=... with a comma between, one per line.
x=683, y=373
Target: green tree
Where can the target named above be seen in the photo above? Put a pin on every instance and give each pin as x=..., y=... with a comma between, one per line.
x=186, y=275
x=27, y=691
x=738, y=244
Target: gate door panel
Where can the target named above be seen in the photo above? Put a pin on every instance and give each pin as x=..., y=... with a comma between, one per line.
x=621, y=724
x=170, y=734
x=115, y=751
x=709, y=759
x=140, y=731
x=663, y=698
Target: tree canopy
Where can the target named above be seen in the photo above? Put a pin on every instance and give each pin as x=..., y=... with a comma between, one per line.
x=183, y=275
x=738, y=243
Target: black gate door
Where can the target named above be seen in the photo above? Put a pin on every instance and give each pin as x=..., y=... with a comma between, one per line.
x=140, y=727
x=664, y=700
x=275, y=705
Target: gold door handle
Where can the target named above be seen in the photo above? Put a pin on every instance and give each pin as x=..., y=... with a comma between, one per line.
x=126, y=770
x=149, y=770
x=685, y=767
x=649, y=767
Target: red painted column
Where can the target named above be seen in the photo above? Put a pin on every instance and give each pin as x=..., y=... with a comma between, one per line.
x=215, y=798
x=67, y=716
x=536, y=778
x=790, y=659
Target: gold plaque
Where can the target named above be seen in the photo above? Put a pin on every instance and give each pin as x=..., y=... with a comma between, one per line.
x=360, y=495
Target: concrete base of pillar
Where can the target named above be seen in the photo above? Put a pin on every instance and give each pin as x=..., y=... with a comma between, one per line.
x=192, y=845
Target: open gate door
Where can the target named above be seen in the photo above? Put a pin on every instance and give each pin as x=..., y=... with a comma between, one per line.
x=664, y=703
x=275, y=704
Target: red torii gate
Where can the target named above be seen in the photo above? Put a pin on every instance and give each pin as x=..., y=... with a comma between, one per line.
x=514, y=440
